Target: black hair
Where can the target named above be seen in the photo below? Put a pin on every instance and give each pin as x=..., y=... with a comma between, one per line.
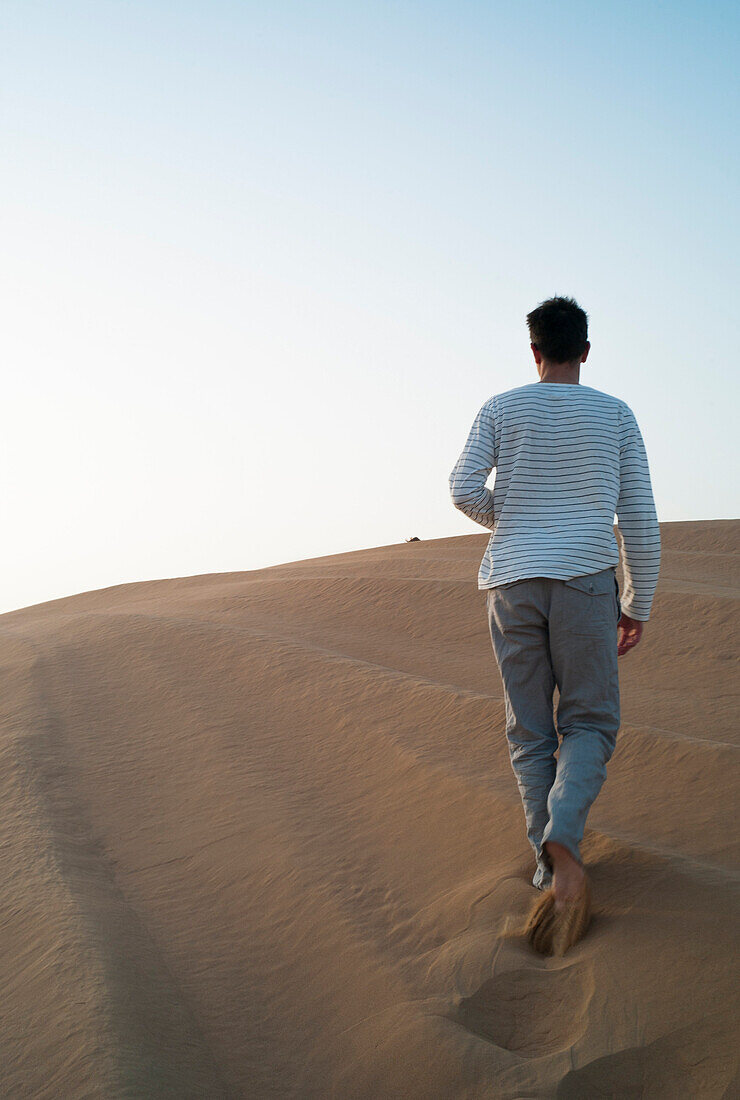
x=558, y=328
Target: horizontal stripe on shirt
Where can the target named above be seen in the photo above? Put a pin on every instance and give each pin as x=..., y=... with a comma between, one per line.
x=568, y=458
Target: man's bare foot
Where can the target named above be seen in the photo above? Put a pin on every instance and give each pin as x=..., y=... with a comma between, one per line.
x=562, y=916
x=568, y=875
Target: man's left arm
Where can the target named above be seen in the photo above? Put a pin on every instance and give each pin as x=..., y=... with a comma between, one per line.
x=468, y=479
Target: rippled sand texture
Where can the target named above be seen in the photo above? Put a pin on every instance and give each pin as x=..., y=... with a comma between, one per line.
x=261, y=838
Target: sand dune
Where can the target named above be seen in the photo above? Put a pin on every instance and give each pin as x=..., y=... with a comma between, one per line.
x=261, y=838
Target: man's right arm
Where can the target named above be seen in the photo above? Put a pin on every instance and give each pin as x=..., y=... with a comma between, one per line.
x=637, y=521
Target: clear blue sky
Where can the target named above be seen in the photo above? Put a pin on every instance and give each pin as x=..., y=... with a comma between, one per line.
x=263, y=262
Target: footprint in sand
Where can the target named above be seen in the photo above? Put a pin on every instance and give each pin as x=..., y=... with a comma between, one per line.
x=533, y=1011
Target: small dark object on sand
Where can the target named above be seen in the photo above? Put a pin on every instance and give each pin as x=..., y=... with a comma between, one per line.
x=413, y=539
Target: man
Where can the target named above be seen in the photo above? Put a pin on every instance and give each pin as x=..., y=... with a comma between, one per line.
x=567, y=458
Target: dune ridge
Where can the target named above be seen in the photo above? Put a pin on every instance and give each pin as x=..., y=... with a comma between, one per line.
x=261, y=838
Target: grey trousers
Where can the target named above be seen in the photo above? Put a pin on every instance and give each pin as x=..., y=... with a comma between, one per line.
x=548, y=633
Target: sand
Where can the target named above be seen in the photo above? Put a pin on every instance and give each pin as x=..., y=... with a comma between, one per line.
x=261, y=838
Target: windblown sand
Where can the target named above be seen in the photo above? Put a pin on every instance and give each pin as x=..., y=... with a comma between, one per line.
x=261, y=838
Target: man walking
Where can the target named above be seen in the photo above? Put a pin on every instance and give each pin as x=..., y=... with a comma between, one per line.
x=567, y=458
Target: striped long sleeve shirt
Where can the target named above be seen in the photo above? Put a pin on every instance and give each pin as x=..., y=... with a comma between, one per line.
x=567, y=458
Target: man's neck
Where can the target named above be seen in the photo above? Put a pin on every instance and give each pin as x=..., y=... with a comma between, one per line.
x=568, y=373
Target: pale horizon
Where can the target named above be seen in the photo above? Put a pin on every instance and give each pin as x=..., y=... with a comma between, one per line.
x=262, y=267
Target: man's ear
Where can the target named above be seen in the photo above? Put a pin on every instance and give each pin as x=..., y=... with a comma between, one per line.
x=537, y=354
x=584, y=357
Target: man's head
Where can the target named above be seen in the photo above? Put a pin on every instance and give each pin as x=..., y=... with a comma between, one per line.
x=558, y=329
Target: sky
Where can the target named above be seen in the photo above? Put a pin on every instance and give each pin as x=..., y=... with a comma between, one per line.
x=262, y=264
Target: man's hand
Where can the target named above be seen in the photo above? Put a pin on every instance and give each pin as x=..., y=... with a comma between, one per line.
x=630, y=632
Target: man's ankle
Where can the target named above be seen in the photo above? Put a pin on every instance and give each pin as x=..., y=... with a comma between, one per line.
x=561, y=857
